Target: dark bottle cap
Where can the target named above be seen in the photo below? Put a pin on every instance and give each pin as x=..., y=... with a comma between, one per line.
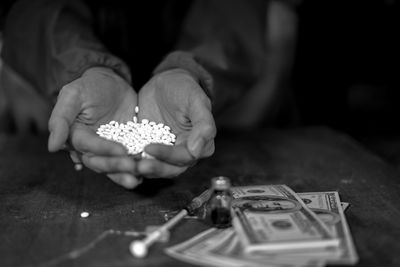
x=220, y=183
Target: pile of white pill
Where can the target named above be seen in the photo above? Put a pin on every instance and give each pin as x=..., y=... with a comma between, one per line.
x=136, y=135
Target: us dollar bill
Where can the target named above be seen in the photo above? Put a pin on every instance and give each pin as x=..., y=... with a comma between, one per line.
x=216, y=247
x=345, y=205
x=273, y=219
x=328, y=207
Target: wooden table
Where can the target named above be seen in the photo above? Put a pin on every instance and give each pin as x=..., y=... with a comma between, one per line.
x=41, y=197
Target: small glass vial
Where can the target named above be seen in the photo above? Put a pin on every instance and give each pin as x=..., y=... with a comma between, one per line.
x=220, y=202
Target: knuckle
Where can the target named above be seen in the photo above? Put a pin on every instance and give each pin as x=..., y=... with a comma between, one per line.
x=153, y=168
x=147, y=167
x=123, y=164
x=113, y=165
x=92, y=164
x=79, y=144
x=68, y=92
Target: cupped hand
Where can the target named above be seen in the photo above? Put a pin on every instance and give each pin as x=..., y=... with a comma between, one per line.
x=97, y=97
x=175, y=99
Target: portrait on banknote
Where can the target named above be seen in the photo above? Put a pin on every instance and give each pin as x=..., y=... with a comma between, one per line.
x=269, y=204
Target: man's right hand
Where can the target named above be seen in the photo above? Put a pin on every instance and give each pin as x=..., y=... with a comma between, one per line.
x=97, y=97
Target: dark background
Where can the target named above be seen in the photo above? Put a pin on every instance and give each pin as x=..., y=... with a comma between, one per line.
x=346, y=71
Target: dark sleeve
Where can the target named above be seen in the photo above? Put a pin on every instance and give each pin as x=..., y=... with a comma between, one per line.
x=188, y=62
x=51, y=43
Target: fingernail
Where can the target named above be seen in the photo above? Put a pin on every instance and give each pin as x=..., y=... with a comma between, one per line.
x=146, y=155
x=196, y=147
x=74, y=156
x=130, y=182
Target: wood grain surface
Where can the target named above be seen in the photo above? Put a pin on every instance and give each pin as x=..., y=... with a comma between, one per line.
x=42, y=196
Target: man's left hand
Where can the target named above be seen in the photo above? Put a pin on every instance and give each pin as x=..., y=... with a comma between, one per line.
x=175, y=99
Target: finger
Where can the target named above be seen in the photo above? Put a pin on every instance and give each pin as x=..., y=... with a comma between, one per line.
x=126, y=180
x=85, y=140
x=103, y=164
x=203, y=130
x=75, y=156
x=208, y=149
x=62, y=117
x=153, y=168
x=177, y=155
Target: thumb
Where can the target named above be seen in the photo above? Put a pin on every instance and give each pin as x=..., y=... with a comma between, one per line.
x=62, y=117
x=203, y=131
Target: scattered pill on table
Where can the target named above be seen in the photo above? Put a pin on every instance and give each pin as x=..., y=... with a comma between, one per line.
x=84, y=214
x=78, y=167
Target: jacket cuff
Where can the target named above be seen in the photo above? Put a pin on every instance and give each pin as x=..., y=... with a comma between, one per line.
x=187, y=61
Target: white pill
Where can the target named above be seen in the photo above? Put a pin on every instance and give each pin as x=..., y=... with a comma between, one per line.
x=78, y=167
x=84, y=214
x=136, y=109
x=147, y=156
